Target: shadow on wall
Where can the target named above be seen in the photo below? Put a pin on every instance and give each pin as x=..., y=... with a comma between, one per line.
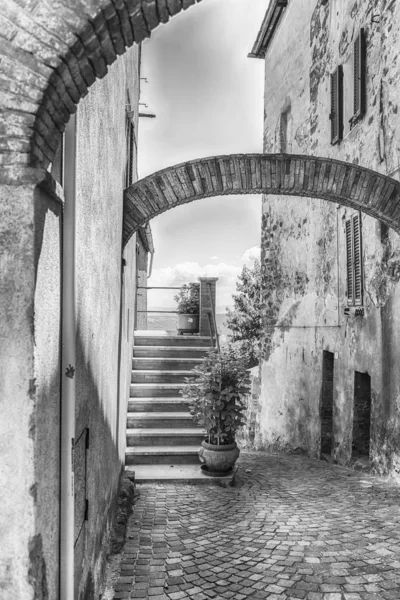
x=44, y=429
x=103, y=473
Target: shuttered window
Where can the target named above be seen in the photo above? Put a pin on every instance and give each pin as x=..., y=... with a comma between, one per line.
x=354, y=261
x=336, y=115
x=130, y=153
x=359, y=76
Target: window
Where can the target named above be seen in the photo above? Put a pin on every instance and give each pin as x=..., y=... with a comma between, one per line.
x=348, y=91
x=354, y=260
x=130, y=152
x=359, y=77
x=336, y=115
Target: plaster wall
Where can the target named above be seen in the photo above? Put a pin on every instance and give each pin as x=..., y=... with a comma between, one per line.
x=30, y=318
x=17, y=388
x=303, y=240
x=104, y=284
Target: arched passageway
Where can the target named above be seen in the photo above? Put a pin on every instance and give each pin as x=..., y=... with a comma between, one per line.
x=279, y=174
x=51, y=53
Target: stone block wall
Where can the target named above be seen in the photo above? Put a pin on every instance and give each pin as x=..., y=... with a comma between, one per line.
x=304, y=242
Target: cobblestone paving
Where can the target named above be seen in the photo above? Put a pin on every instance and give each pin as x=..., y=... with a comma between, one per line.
x=292, y=528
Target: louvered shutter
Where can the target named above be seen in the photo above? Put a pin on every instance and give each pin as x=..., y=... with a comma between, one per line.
x=359, y=76
x=131, y=149
x=349, y=262
x=336, y=115
x=354, y=261
x=130, y=146
x=357, y=253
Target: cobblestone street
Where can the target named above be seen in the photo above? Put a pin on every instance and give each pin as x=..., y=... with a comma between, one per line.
x=291, y=528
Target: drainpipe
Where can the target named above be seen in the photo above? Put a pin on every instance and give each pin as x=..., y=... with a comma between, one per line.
x=151, y=265
x=68, y=366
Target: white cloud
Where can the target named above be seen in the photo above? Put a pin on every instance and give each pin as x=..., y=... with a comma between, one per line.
x=252, y=254
x=189, y=272
x=214, y=257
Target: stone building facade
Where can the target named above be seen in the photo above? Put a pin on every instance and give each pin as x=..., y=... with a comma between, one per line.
x=330, y=274
x=31, y=344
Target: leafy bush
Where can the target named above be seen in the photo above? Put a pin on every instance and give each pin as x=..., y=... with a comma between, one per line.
x=244, y=320
x=188, y=299
x=216, y=394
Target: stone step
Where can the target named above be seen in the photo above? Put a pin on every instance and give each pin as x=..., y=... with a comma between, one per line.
x=155, y=390
x=178, y=474
x=165, y=364
x=156, y=339
x=161, y=376
x=167, y=352
x=158, y=405
x=162, y=455
x=160, y=420
x=164, y=437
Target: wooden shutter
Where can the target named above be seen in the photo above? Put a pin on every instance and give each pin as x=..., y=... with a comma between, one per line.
x=349, y=262
x=354, y=261
x=357, y=252
x=130, y=146
x=336, y=115
x=359, y=76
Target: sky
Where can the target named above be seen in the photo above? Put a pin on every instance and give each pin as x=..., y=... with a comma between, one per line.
x=207, y=96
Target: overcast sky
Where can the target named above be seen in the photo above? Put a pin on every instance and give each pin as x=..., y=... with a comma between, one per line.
x=208, y=99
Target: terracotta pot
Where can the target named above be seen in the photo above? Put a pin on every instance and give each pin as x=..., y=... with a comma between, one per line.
x=218, y=458
x=188, y=323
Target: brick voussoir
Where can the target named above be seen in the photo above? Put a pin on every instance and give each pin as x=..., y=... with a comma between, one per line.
x=124, y=23
x=114, y=26
x=149, y=8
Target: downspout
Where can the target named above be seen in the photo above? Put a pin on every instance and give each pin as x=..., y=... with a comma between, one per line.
x=68, y=370
x=151, y=264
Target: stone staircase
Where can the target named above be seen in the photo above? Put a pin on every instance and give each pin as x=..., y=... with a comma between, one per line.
x=162, y=438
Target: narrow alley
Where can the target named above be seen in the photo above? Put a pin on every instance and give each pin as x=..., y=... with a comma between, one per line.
x=291, y=527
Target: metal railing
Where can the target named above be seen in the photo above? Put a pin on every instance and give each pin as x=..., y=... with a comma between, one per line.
x=212, y=319
x=145, y=287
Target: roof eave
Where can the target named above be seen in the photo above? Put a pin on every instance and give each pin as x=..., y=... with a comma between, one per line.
x=268, y=27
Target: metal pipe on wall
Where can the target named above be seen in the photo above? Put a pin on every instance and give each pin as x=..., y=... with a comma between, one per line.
x=68, y=368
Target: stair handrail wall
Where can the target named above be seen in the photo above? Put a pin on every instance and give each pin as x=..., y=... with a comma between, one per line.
x=213, y=320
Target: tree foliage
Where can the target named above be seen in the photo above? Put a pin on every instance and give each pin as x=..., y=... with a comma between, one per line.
x=244, y=320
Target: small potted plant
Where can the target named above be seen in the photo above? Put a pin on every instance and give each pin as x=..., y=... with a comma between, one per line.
x=188, y=308
x=216, y=402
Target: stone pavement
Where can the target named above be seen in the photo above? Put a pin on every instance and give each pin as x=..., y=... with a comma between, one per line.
x=293, y=527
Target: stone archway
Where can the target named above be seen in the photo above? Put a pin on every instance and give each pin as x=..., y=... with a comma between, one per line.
x=279, y=174
x=51, y=53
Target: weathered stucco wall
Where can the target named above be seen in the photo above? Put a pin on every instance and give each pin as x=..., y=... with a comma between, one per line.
x=17, y=388
x=30, y=317
x=101, y=379
x=303, y=241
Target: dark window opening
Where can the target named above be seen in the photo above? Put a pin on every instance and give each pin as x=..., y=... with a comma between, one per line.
x=359, y=77
x=326, y=404
x=354, y=261
x=130, y=151
x=361, y=414
x=384, y=233
x=336, y=115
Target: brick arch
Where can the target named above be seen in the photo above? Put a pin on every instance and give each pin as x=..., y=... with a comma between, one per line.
x=280, y=174
x=50, y=54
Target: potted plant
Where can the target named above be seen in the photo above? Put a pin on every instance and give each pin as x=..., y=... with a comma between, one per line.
x=216, y=396
x=188, y=308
